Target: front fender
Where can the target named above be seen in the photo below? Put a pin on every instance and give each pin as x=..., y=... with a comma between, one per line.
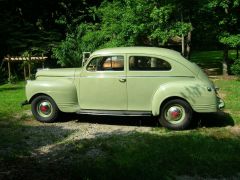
x=62, y=91
x=194, y=92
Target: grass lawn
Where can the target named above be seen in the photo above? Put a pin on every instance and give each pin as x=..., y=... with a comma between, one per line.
x=210, y=60
x=210, y=56
x=11, y=95
x=230, y=92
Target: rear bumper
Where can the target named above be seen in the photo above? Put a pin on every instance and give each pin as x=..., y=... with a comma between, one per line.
x=221, y=103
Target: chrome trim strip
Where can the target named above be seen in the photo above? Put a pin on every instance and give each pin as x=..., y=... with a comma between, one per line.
x=100, y=76
x=115, y=112
x=134, y=76
x=160, y=76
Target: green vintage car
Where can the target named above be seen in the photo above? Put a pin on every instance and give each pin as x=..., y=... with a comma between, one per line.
x=126, y=81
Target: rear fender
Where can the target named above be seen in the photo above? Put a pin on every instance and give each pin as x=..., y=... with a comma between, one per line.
x=192, y=91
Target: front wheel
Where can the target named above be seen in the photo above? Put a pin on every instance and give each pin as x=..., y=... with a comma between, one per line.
x=45, y=109
x=176, y=114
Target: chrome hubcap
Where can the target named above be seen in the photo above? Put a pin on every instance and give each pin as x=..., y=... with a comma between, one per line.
x=175, y=114
x=44, y=108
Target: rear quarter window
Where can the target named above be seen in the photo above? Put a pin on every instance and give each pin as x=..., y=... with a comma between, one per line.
x=146, y=63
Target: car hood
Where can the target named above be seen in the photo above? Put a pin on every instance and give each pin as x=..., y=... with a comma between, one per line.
x=61, y=72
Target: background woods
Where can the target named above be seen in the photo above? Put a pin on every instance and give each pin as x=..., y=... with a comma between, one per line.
x=63, y=29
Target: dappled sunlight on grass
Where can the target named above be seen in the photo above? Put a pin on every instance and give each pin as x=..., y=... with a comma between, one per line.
x=207, y=56
x=210, y=61
x=231, y=88
x=11, y=95
x=209, y=153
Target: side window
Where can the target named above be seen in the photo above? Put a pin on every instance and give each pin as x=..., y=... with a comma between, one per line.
x=146, y=63
x=106, y=63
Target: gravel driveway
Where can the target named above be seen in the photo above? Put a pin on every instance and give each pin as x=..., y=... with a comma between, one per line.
x=78, y=127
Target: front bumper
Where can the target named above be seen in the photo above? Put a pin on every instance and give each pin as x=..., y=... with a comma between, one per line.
x=24, y=103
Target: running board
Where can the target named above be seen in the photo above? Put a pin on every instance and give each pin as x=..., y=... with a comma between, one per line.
x=115, y=113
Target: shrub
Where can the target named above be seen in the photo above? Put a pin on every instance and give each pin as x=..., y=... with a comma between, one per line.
x=235, y=68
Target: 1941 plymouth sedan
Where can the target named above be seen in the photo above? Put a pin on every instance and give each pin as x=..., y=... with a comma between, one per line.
x=127, y=81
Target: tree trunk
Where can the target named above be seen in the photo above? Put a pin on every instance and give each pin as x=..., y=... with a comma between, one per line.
x=225, y=51
x=188, y=50
x=183, y=39
x=225, y=60
x=183, y=45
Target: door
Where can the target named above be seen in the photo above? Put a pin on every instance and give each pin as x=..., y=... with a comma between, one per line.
x=103, y=84
x=144, y=76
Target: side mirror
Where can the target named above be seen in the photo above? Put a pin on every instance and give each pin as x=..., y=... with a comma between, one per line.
x=86, y=55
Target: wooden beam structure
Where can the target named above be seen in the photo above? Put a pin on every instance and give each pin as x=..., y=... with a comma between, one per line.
x=29, y=60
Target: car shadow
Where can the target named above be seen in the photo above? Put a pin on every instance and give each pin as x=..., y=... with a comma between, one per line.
x=219, y=119
x=112, y=120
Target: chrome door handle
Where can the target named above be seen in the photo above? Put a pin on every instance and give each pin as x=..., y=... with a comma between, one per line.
x=122, y=80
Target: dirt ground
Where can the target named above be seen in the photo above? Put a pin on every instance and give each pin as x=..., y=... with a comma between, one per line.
x=87, y=127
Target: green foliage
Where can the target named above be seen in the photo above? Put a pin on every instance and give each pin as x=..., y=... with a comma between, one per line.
x=122, y=23
x=226, y=16
x=70, y=27
x=235, y=68
x=164, y=27
x=231, y=40
x=86, y=37
x=67, y=52
x=13, y=79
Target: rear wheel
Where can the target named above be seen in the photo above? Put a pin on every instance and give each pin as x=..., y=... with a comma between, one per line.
x=45, y=109
x=176, y=114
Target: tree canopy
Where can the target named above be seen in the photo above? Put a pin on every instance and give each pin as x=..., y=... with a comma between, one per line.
x=63, y=29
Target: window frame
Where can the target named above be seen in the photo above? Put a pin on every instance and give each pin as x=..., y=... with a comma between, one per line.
x=150, y=56
x=110, y=70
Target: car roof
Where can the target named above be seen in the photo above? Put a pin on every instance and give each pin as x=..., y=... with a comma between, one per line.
x=140, y=50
